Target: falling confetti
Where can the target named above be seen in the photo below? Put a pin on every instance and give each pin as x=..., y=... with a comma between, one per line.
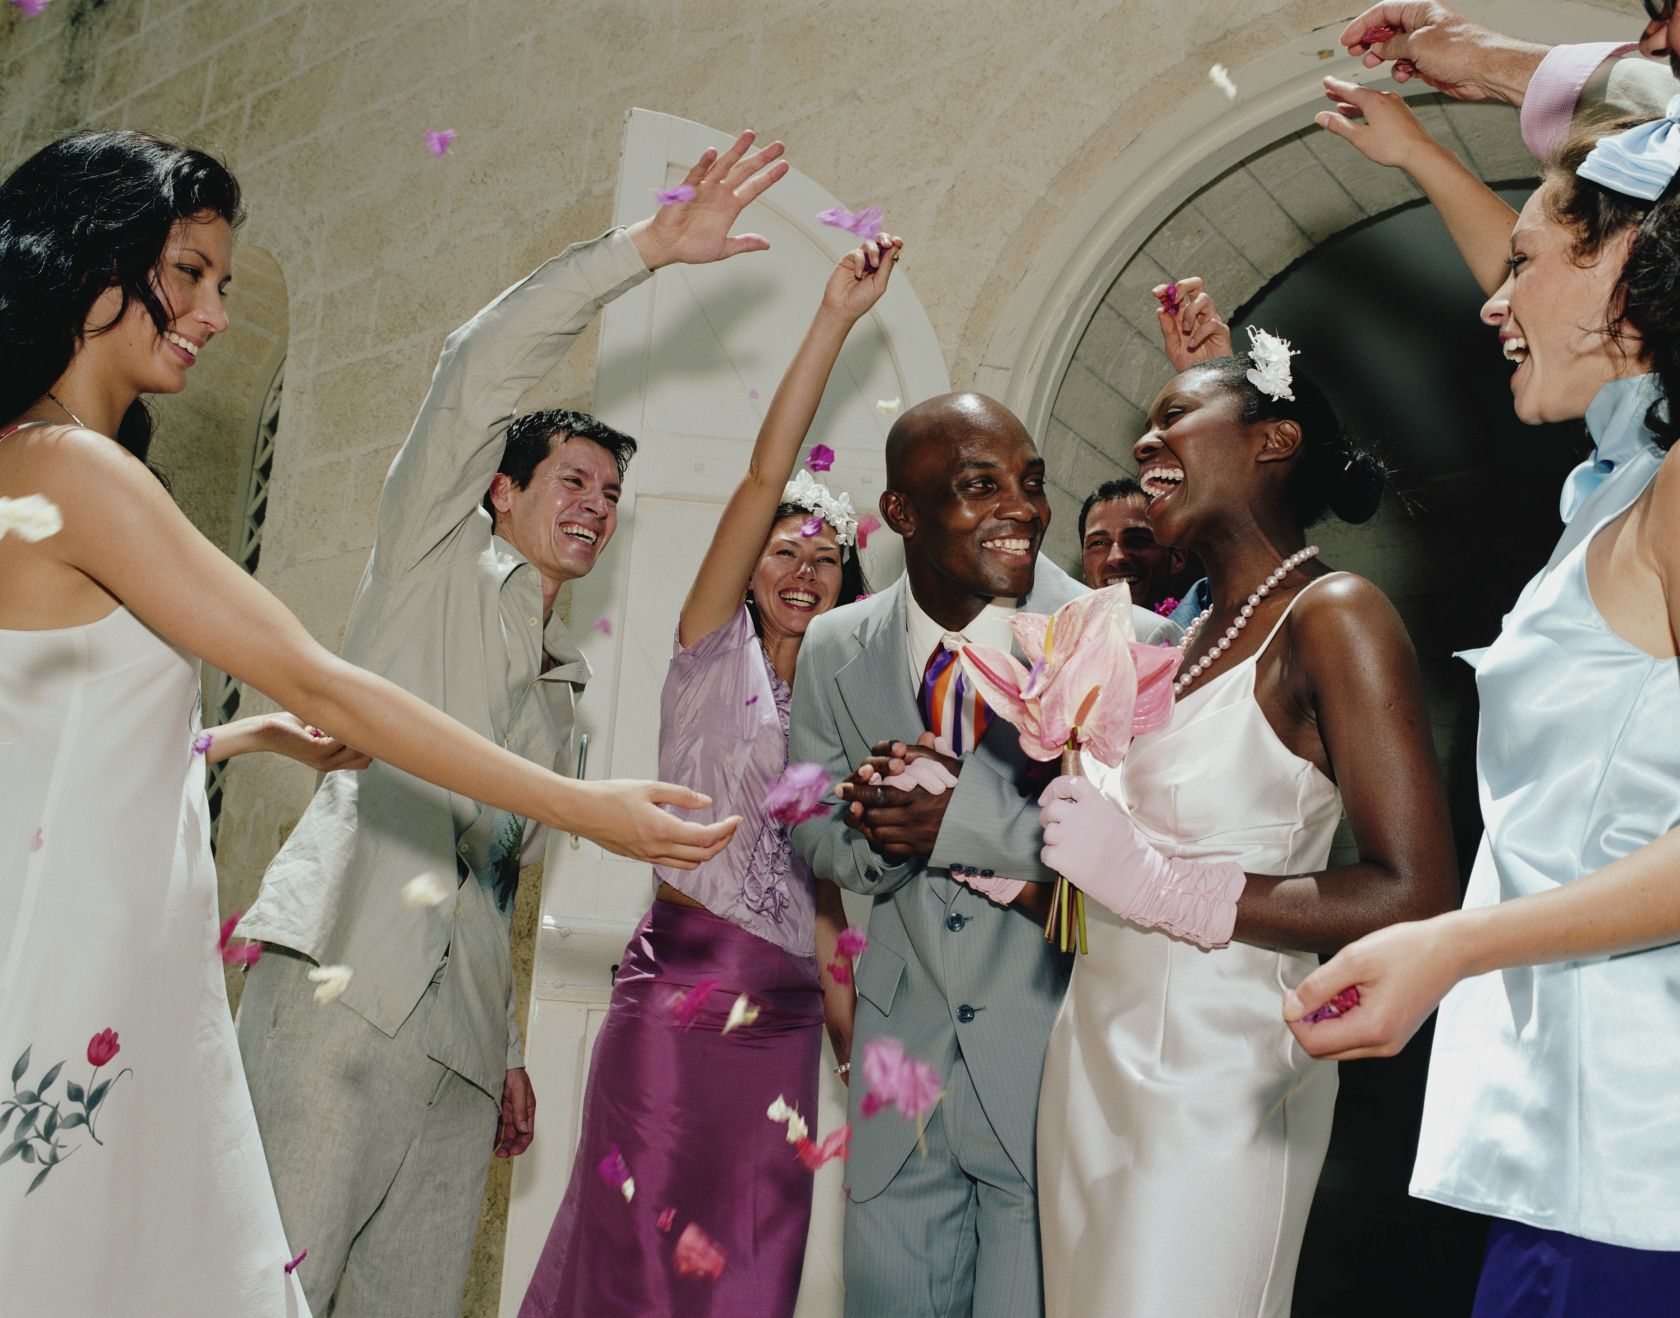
x=293, y=1265
x=332, y=981
x=887, y=406
x=31, y=8
x=811, y=527
x=752, y=700
x=32, y=517
x=821, y=459
x=897, y=1079
x=797, y=795
x=866, y=527
x=40, y=839
x=697, y=1254
x=741, y=1012
x=237, y=953
x=1221, y=78
x=665, y=1219
x=782, y=1111
x=837, y=1145
x=427, y=890
x=865, y=223
x=753, y=394
x=603, y=625
x=672, y=196
x=615, y=1174
x=686, y=1006
x=438, y=141
x=202, y=743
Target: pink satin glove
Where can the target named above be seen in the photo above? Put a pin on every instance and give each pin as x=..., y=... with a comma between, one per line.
x=1100, y=851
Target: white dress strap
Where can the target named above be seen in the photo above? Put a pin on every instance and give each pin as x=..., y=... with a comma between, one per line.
x=1284, y=616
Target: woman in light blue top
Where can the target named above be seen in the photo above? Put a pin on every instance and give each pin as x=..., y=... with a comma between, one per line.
x=1554, y=1087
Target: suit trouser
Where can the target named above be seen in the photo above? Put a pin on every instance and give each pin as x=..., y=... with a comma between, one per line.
x=955, y=1233
x=377, y=1152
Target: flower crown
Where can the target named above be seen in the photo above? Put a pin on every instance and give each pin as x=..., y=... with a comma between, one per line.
x=1270, y=374
x=807, y=492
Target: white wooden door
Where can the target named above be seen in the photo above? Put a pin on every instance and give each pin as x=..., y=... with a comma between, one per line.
x=688, y=363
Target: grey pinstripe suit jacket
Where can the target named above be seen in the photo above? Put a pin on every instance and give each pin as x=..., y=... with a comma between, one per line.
x=946, y=969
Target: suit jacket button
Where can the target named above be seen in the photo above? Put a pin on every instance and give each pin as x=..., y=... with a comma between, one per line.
x=985, y=874
x=965, y=1013
x=955, y=922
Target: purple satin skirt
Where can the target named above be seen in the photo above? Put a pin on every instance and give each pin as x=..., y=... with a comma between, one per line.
x=686, y=1108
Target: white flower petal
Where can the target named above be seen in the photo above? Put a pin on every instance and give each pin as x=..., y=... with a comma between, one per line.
x=741, y=1013
x=427, y=890
x=1221, y=78
x=332, y=981
x=32, y=517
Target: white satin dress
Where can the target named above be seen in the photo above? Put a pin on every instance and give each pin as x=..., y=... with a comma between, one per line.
x=132, y=1177
x=1180, y=1127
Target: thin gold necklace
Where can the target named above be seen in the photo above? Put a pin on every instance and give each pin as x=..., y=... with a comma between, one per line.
x=67, y=412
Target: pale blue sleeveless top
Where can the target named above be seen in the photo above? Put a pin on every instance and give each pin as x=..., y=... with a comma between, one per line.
x=1554, y=1091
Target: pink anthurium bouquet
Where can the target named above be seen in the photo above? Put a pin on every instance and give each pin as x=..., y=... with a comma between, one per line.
x=1091, y=688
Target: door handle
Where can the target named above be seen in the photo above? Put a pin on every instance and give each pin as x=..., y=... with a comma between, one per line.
x=582, y=765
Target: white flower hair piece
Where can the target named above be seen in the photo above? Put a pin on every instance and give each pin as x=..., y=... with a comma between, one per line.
x=1270, y=373
x=807, y=492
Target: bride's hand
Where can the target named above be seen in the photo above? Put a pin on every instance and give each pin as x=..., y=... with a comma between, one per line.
x=1191, y=330
x=1390, y=133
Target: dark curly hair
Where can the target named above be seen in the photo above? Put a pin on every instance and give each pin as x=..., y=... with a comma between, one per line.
x=93, y=211
x=1648, y=288
x=1330, y=472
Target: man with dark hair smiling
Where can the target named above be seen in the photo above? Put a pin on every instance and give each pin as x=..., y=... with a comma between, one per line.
x=379, y=1108
x=1116, y=543
x=965, y=983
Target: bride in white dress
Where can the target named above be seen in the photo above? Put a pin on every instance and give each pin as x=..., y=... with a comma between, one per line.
x=132, y=1179
x=1181, y=1129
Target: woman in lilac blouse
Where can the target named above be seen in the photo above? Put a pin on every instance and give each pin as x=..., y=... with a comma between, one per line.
x=713, y=1217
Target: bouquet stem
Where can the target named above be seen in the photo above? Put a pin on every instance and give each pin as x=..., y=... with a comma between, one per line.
x=1065, y=926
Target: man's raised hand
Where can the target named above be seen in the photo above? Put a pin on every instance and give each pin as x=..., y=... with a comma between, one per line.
x=696, y=232
x=1427, y=40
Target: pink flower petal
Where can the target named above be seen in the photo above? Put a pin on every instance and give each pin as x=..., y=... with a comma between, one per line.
x=293, y=1265
x=852, y=943
x=813, y=1155
x=865, y=223
x=672, y=196
x=753, y=394
x=202, y=743
x=752, y=700
x=237, y=952
x=839, y=972
x=438, y=140
x=666, y=1217
x=1167, y=607
x=1373, y=35
x=698, y=1255
x=811, y=527
x=867, y=525
x=613, y=1170
x=821, y=458
x=39, y=841
x=31, y=8
x=1169, y=297
x=603, y=625
x=1344, y=1001
x=687, y=1006
x=798, y=794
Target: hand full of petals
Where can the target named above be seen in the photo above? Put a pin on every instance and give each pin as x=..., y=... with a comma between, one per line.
x=896, y=1079
x=1088, y=672
x=1098, y=848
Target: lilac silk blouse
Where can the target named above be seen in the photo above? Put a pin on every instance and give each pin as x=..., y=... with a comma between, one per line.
x=723, y=730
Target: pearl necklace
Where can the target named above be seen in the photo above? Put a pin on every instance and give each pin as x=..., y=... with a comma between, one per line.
x=1223, y=644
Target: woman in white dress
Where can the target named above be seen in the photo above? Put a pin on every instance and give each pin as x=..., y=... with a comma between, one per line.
x=1180, y=1130
x=132, y=1179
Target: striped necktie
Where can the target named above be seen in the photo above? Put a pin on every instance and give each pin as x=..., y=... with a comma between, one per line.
x=950, y=706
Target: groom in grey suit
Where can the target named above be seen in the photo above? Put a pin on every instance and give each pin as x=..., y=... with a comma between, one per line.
x=964, y=984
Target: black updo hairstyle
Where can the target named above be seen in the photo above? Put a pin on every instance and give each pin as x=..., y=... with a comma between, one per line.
x=1330, y=473
x=853, y=586
x=1648, y=289
x=92, y=211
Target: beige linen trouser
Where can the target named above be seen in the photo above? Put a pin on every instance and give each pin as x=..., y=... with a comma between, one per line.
x=377, y=1152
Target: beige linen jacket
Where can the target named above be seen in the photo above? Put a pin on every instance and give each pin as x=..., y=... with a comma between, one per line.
x=453, y=613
